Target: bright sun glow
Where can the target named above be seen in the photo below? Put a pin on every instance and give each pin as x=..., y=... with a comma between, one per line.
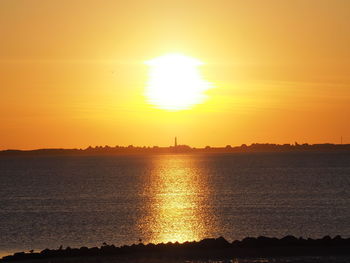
x=175, y=82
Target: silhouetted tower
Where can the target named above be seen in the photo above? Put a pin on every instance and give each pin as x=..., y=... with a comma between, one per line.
x=175, y=143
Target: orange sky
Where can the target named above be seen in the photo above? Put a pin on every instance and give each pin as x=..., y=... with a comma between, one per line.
x=72, y=72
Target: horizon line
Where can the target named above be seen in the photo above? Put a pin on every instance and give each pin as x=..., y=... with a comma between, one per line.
x=172, y=146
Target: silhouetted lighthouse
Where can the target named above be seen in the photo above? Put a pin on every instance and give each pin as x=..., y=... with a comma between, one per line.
x=175, y=144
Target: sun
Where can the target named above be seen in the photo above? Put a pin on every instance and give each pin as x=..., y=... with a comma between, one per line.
x=175, y=82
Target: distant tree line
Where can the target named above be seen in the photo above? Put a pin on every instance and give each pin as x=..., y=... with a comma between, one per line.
x=117, y=150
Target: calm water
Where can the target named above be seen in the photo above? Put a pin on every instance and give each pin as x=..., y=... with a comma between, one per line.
x=75, y=201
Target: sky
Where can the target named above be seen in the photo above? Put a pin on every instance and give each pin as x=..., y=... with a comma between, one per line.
x=73, y=72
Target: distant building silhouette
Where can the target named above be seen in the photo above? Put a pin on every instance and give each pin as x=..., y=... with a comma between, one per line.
x=175, y=143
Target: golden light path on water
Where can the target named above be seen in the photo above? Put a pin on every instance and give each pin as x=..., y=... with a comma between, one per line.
x=179, y=208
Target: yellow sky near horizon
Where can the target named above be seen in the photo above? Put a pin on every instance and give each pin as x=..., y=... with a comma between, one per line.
x=72, y=73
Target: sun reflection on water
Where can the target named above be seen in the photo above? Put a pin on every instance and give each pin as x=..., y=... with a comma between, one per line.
x=178, y=208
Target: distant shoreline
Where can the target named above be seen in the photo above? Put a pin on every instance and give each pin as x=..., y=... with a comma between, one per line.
x=121, y=150
x=210, y=248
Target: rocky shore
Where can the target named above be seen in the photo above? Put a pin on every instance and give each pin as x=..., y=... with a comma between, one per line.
x=211, y=248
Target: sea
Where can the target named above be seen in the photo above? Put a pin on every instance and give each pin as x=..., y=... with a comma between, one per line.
x=53, y=201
